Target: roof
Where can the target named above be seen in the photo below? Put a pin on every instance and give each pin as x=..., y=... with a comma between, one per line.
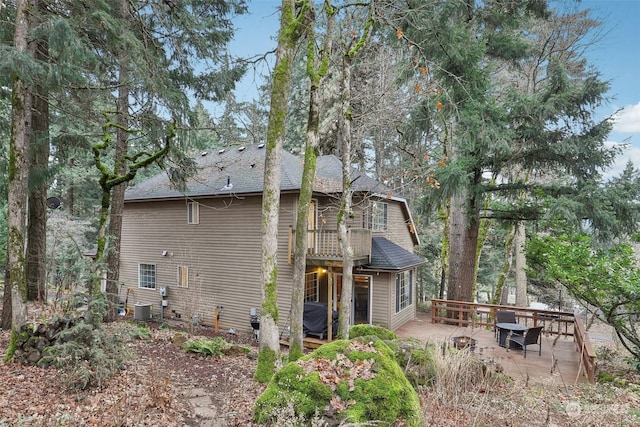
x=240, y=170
x=386, y=255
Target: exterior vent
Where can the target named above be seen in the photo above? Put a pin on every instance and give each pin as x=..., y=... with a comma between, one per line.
x=261, y=145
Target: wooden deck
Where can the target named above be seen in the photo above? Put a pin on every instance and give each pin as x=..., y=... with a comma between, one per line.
x=559, y=362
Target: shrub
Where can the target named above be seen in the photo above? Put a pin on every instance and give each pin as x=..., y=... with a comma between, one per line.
x=86, y=351
x=207, y=347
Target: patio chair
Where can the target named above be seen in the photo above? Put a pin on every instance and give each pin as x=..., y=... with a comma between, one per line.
x=505, y=316
x=530, y=337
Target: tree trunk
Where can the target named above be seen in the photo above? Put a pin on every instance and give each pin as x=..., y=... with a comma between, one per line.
x=296, y=348
x=344, y=135
x=117, y=193
x=5, y=322
x=463, y=241
x=521, y=265
x=289, y=33
x=37, y=224
x=500, y=297
x=18, y=180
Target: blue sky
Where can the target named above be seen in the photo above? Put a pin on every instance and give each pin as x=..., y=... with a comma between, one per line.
x=616, y=56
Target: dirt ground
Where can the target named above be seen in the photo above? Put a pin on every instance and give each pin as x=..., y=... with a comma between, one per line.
x=155, y=389
x=162, y=385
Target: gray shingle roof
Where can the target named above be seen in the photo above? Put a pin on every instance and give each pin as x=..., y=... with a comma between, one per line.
x=386, y=255
x=243, y=169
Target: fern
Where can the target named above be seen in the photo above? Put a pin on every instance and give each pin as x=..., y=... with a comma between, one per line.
x=207, y=347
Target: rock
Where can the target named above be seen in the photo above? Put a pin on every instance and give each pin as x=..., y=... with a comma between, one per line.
x=180, y=339
x=357, y=380
x=235, y=350
x=32, y=357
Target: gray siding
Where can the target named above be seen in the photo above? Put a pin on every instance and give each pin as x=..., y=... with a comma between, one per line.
x=222, y=252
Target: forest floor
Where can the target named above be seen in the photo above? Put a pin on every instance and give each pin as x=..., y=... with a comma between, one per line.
x=162, y=385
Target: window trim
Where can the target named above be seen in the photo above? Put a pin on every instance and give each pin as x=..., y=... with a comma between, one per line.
x=193, y=213
x=150, y=286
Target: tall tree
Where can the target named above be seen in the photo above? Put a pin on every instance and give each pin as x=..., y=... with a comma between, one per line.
x=18, y=180
x=350, y=49
x=293, y=21
x=39, y=168
x=496, y=128
x=317, y=67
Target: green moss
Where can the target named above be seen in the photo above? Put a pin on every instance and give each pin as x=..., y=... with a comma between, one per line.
x=266, y=365
x=368, y=382
x=295, y=353
x=12, y=345
x=292, y=386
x=270, y=303
x=367, y=330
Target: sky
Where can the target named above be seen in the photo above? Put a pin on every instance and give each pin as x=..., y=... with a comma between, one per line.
x=616, y=56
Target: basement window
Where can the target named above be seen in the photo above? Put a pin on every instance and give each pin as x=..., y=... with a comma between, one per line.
x=147, y=276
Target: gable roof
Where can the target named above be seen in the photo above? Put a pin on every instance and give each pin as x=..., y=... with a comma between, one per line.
x=386, y=255
x=240, y=170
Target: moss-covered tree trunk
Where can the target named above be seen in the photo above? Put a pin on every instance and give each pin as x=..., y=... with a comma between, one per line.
x=110, y=179
x=18, y=181
x=39, y=181
x=117, y=194
x=317, y=64
x=291, y=27
x=351, y=49
x=500, y=297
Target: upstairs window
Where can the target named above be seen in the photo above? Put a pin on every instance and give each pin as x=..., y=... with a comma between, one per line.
x=147, y=276
x=377, y=216
x=193, y=213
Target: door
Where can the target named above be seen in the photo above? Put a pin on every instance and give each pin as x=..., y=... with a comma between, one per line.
x=361, y=300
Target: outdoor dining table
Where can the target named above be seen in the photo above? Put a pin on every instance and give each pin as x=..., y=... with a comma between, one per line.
x=505, y=328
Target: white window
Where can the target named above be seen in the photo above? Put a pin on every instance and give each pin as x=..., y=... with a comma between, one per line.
x=147, y=276
x=377, y=217
x=311, y=289
x=404, y=290
x=193, y=213
x=183, y=276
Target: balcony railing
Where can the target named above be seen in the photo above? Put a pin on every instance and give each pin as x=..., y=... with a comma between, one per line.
x=323, y=244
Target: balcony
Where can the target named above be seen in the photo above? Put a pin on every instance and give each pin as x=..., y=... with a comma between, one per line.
x=323, y=247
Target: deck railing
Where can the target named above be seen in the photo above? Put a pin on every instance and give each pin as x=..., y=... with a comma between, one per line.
x=324, y=244
x=462, y=313
x=587, y=352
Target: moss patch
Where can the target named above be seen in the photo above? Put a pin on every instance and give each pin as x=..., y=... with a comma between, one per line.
x=371, y=330
x=355, y=381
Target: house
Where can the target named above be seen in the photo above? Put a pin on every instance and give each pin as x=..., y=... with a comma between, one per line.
x=196, y=255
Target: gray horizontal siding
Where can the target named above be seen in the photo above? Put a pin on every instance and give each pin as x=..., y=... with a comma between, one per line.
x=222, y=252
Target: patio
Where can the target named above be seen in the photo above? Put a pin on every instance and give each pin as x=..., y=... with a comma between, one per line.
x=559, y=362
